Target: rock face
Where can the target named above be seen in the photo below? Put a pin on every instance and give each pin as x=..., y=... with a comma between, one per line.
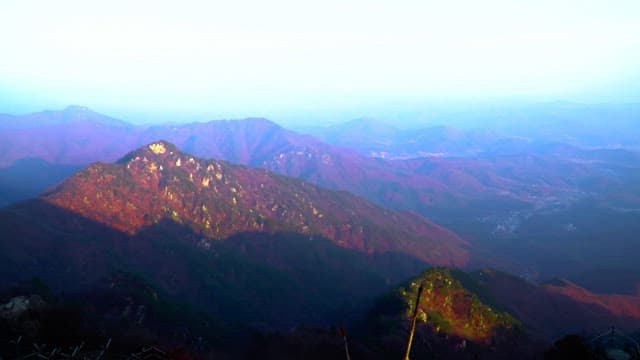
x=217, y=200
x=20, y=305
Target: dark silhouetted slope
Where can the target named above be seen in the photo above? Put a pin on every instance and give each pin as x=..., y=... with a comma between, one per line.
x=264, y=280
x=548, y=312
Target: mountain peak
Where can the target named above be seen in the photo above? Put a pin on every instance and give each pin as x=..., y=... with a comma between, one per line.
x=79, y=113
x=162, y=147
x=450, y=303
x=74, y=114
x=77, y=109
x=217, y=200
x=160, y=151
x=158, y=148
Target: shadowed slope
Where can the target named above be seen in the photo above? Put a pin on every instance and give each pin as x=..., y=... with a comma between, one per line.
x=268, y=280
x=546, y=311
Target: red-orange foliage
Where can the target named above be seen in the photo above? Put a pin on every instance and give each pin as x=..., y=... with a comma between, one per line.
x=217, y=200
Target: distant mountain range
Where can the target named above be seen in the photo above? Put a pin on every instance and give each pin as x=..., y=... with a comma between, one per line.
x=373, y=138
x=607, y=125
x=521, y=175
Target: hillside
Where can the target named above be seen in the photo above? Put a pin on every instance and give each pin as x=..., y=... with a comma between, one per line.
x=447, y=306
x=489, y=314
x=456, y=319
x=218, y=200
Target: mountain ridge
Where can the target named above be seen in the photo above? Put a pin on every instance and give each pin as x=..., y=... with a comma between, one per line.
x=218, y=199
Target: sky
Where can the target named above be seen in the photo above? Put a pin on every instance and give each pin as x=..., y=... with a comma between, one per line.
x=189, y=59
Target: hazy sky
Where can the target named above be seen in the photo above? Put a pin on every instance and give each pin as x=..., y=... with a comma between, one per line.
x=272, y=58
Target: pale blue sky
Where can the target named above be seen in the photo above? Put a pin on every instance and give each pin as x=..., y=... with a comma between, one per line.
x=154, y=59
